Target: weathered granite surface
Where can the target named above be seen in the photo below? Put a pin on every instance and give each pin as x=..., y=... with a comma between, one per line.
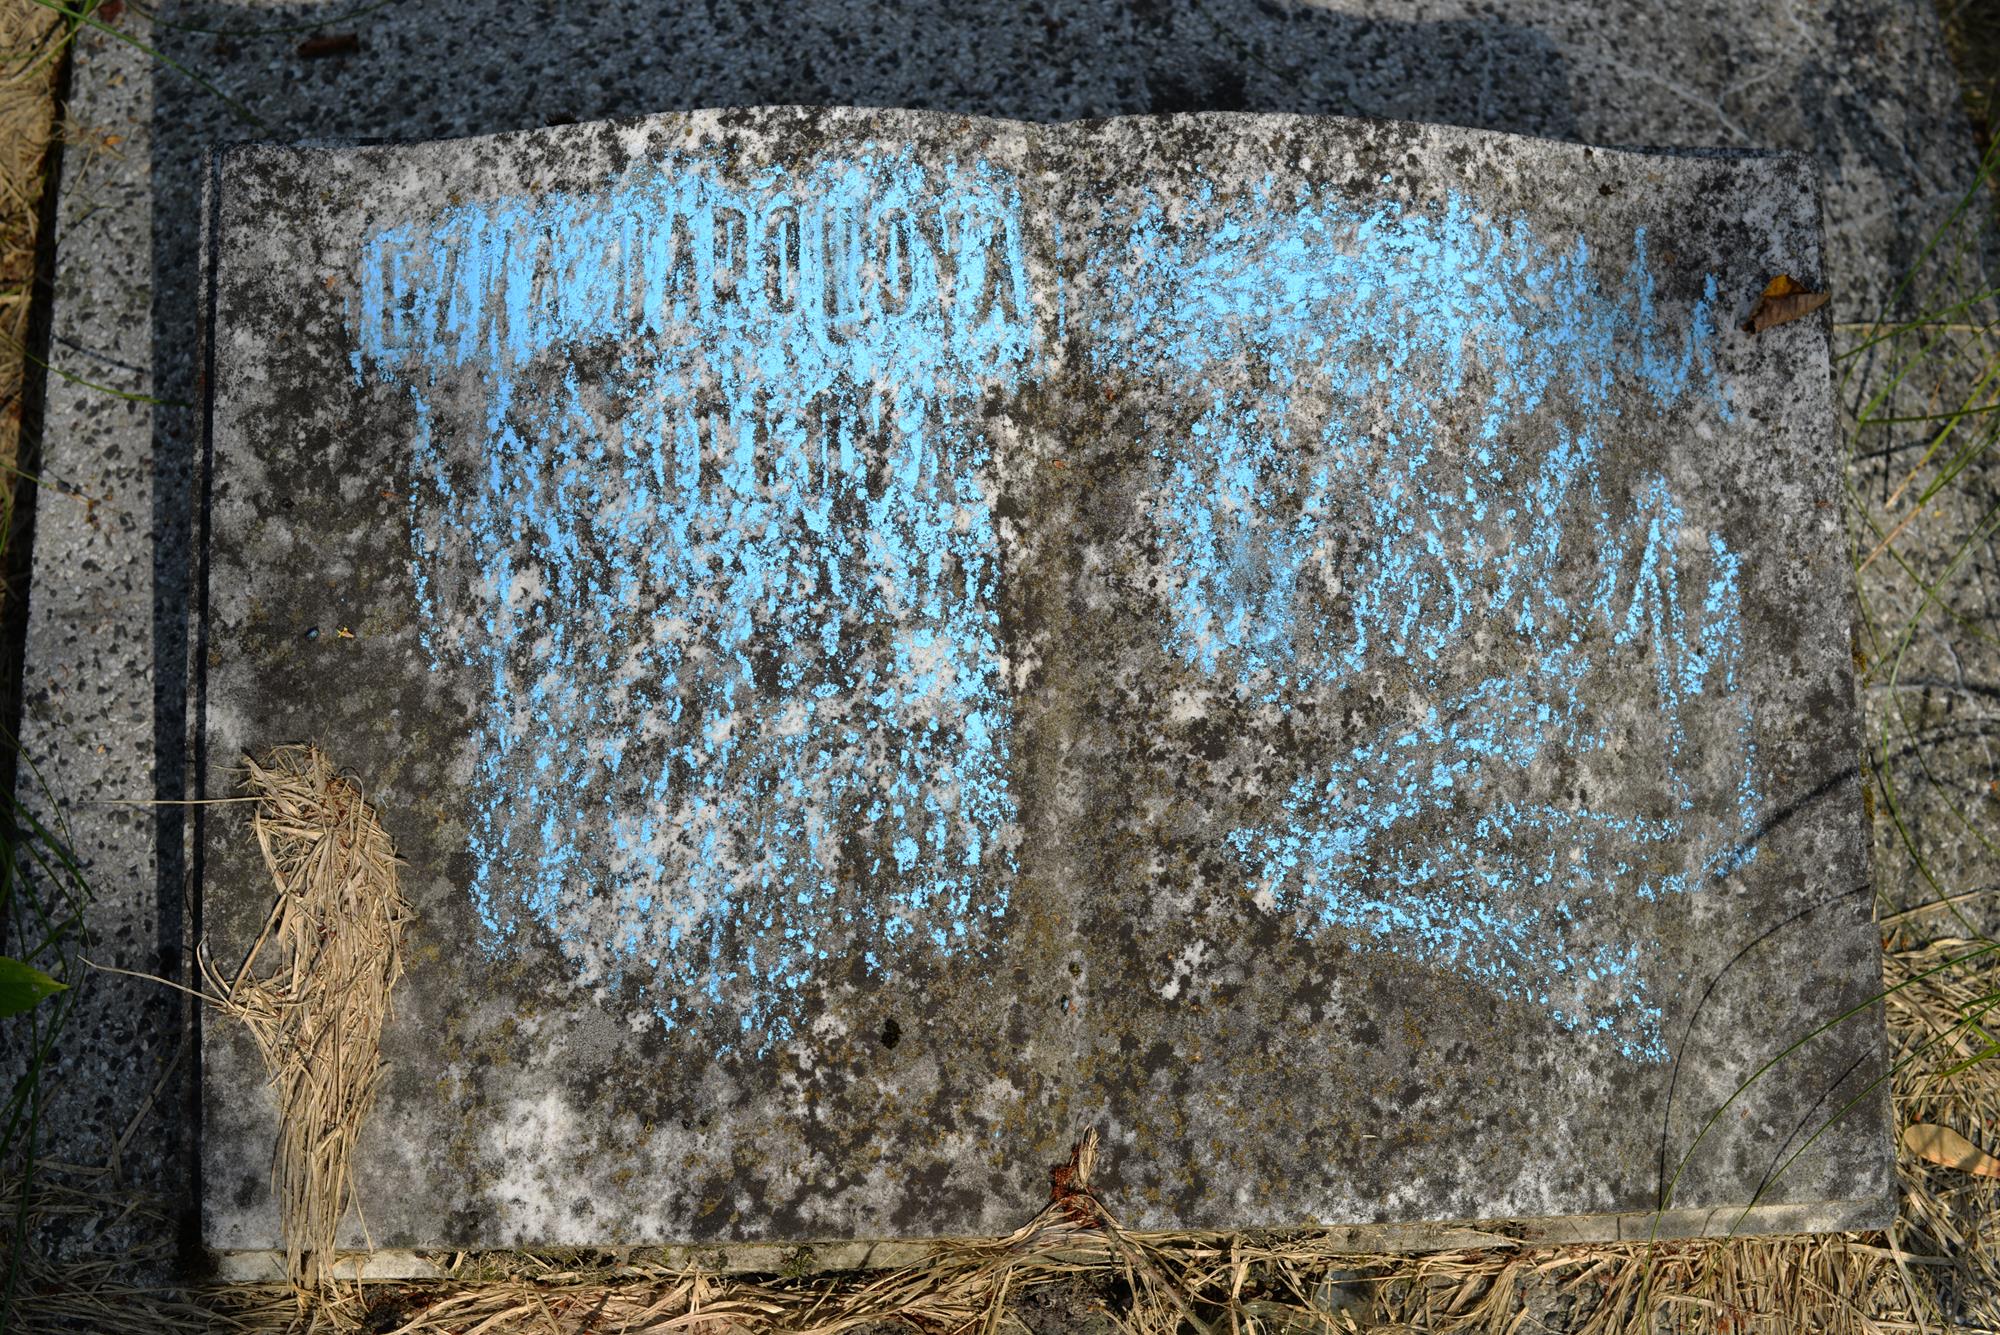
x=1315, y=647
x=1862, y=86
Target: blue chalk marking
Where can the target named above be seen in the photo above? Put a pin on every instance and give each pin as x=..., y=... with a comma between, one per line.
x=736, y=594
x=1304, y=563
x=697, y=570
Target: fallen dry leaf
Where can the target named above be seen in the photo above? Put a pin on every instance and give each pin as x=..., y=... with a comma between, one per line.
x=1782, y=301
x=330, y=44
x=1069, y=1183
x=1942, y=1145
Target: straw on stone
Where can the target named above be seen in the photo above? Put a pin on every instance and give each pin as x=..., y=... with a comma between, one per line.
x=314, y=989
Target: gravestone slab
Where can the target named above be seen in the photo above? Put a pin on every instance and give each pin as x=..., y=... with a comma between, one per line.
x=1315, y=647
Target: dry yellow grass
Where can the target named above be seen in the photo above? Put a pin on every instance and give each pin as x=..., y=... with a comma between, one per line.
x=29, y=50
x=314, y=989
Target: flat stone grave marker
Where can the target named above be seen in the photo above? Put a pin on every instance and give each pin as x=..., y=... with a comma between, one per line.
x=1317, y=648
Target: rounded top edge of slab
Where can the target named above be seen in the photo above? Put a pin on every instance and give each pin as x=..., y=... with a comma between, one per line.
x=783, y=116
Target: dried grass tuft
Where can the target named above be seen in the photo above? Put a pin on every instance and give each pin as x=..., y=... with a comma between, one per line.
x=30, y=40
x=1947, y=1076
x=314, y=988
